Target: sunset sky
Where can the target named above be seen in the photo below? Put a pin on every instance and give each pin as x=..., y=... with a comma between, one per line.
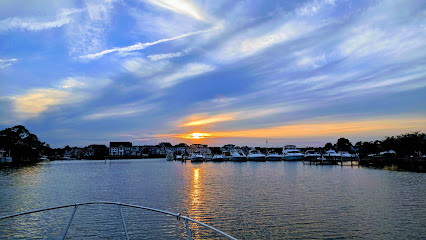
x=215, y=72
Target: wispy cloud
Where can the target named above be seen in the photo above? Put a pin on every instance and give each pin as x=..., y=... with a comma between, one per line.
x=38, y=23
x=140, y=46
x=89, y=32
x=157, y=57
x=180, y=6
x=188, y=71
x=120, y=111
x=247, y=113
x=7, y=62
x=39, y=100
x=71, y=90
x=295, y=25
x=141, y=67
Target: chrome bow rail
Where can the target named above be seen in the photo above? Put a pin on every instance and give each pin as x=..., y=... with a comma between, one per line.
x=178, y=216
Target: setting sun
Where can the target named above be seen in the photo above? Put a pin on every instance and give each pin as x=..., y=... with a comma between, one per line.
x=197, y=135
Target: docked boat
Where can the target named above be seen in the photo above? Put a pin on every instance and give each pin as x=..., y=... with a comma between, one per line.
x=218, y=158
x=255, y=155
x=332, y=155
x=43, y=158
x=170, y=156
x=345, y=154
x=238, y=155
x=273, y=156
x=207, y=157
x=311, y=155
x=178, y=157
x=226, y=155
x=196, y=157
x=291, y=153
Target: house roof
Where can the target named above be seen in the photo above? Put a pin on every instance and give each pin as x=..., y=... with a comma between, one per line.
x=166, y=144
x=118, y=144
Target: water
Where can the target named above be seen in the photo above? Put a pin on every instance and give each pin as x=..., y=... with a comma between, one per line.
x=251, y=200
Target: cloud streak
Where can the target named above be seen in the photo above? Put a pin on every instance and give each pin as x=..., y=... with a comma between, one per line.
x=4, y=63
x=180, y=7
x=243, y=114
x=120, y=111
x=140, y=46
x=157, y=57
x=38, y=23
x=71, y=90
x=391, y=125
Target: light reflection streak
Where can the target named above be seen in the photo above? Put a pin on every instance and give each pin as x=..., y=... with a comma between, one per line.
x=195, y=195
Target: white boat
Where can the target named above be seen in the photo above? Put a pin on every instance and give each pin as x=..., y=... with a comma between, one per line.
x=43, y=158
x=332, y=155
x=311, y=154
x=179, y=157
x=238, y=155
x=273, y=156
x=390, y=153
x=345, y=154
x=218, y=158
x=255, y=155
x=291, y=153
x=196, y=157
x=207, y=157
x=226, y=155
x=170, y=156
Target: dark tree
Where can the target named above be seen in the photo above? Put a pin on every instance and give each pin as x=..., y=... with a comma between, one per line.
x=343, y=144
x=328, y=146
x=22, y=144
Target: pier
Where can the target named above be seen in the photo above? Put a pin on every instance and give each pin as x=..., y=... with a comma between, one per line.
x=323, y=160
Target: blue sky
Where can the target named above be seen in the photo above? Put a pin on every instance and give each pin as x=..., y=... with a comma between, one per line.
x=299, y=72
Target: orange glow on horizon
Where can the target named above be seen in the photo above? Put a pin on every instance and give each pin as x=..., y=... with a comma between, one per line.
x=195, y=121
x=196, y=135
x=321, y=128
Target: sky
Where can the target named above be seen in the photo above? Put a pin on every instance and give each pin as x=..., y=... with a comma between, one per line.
x=213, y=72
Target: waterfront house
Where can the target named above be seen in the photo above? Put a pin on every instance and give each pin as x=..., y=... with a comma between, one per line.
x=165, y=147
x=181, y=148
x=120, y=148
x=136, y=151
x=4, y=158
x=201, y=148
x=97, y=151
x=151, y=150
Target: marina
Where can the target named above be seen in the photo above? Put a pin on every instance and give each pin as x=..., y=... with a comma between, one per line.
x=249, y=200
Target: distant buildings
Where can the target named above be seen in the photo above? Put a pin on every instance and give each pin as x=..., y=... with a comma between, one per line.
x=201, y=148
x=120, y=149
x=97, y=151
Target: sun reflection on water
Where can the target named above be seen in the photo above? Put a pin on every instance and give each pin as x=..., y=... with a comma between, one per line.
x=195, y=190
x=195, y=194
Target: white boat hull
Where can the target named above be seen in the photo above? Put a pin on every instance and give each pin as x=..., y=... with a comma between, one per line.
x=256, y=158
x=238, y=159
x=293, y=157
x=273, y=158
x=197, y=159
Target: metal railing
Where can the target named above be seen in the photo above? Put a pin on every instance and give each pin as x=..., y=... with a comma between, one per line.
x=76, y=205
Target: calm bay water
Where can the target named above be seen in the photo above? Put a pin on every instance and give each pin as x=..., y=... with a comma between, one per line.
x=251, y=200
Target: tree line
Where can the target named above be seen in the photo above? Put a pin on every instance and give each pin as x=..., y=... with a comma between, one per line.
x=22, y=144
x=25, y=146
x=405, y=145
